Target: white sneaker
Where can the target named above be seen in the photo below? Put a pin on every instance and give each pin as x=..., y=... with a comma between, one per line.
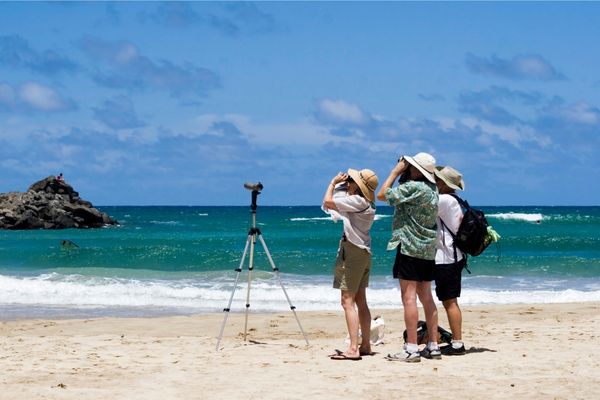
x=404, y=356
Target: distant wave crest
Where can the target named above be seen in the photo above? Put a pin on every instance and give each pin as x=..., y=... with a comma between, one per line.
x=310, y=219
x=518, y=216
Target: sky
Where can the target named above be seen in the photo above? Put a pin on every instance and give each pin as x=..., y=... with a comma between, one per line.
x=181, y=103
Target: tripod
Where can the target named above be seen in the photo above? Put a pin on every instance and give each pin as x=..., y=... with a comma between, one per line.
x=253, y=234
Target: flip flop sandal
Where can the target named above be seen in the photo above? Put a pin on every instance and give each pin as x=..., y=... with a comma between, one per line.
x=345, y=357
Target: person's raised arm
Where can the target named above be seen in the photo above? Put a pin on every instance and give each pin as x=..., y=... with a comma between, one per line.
x=328, y=198
x=389, y=182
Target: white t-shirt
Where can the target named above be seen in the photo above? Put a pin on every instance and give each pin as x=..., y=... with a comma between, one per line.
x=357, y=214
x=450, y=211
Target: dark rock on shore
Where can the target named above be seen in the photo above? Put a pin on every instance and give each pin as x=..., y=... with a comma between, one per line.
x=49, y=204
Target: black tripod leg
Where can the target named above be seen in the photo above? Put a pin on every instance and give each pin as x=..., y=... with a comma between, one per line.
x=276, y=270
x=237, y=278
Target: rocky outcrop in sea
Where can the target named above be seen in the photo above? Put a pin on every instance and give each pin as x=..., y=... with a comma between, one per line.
x=49, y=204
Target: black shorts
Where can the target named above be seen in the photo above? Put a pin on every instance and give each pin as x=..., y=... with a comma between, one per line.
x=412, y=269
x=448, y=279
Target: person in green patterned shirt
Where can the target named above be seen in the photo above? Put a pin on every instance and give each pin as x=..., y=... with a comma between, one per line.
x=415, y=202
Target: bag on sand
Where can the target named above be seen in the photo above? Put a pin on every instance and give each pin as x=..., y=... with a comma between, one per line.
x=377, y=331
x=423, y=335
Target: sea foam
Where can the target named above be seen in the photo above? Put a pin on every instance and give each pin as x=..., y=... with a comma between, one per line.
x=517, y=216
x=203, y=295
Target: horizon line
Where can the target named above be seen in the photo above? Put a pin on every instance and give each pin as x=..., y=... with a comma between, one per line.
x=318, y=205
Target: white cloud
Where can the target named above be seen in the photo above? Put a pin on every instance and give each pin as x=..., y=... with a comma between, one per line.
x=530, y=65
x=66, y=151
x=446, y=123
x=341, y=112
x=522, y=66
x=300, y=132
x=108, y=159
x=581, y=113
x=131, y=70
x=21, y=131
x=139, y=135
x=204, y=124
x=40, y=97
x=125, y=54
x=32, y=96
x=517, y=135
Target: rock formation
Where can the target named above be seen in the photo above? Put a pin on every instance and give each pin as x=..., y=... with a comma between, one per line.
x=49, y=204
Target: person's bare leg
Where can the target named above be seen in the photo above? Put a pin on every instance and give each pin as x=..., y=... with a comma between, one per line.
x=454, y=317
x=408, y=290
x=431, y=314
x=364, y=317
x=349, y=305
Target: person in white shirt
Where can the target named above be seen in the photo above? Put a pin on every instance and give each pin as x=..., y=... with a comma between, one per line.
x=449, y=260
x=350, y=197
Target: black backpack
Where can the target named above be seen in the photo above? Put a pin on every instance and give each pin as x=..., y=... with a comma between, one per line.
x=472, y=234
x=423, y=335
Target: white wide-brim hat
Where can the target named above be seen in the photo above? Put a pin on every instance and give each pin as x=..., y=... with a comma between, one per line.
x=425, y=163
x=451, y=177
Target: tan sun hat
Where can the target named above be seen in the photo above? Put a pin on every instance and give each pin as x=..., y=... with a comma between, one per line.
x=451, y=177
x=425, y=163
x=366, y=180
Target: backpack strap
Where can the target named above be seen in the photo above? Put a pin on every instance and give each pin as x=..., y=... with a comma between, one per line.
x=453, y=239
x=363, y=210
x=369, y=205
x=464, y=205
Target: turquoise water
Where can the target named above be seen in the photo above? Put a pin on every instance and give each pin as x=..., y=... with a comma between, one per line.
x=183, y=258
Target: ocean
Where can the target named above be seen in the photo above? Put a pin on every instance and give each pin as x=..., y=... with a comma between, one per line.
x=182, y=260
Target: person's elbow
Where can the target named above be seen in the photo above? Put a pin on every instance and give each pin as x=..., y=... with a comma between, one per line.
x=381, y=195
x=330, y=205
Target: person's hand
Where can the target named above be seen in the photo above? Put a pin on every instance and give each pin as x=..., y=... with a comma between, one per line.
x=400, y=167
x=340, y=177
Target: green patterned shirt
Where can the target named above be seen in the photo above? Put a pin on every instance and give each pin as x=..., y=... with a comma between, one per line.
x=415, y=211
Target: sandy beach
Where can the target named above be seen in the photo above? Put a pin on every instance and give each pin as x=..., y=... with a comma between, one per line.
x=544, y=351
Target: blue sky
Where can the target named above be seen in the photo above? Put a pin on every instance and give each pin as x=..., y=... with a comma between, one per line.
x=181, y=103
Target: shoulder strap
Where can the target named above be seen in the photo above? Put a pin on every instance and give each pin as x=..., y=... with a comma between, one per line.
x=464, y=206
x=453, y=239
x=363, y=210
x=463, y=203
x=448, y=229
x=369, y=205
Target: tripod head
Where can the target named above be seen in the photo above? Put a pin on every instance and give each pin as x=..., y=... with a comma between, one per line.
x=256, y=188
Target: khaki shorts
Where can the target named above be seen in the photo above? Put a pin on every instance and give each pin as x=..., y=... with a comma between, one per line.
x=352, y=268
